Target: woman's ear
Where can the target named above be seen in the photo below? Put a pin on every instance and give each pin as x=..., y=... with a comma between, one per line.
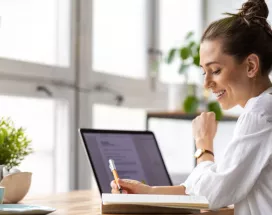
x=253, y=65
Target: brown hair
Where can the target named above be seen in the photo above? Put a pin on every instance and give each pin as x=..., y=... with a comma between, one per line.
x=245, y=33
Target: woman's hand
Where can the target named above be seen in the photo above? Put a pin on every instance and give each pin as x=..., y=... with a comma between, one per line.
x=204, y=130
x=130, y=187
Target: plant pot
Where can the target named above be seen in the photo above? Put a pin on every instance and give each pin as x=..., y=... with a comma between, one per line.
x=16, y=186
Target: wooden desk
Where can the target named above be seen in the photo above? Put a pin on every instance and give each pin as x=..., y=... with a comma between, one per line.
x=83, y=203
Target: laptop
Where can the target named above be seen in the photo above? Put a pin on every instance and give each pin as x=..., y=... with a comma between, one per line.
x=136, y=155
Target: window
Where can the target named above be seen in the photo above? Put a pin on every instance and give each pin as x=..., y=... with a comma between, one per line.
x=36, y=31
x=119, y=37
x=37, y=40
x=112, y=117
x=44, y=120
x=177, y=18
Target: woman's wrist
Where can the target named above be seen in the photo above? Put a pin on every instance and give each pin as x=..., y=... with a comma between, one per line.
x=207, y=144
x=205, y=157
x=167, y=190
x=204, y=143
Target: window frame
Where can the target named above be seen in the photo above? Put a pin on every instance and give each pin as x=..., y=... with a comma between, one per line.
x=131, y=88
x=15, y=67
x=29, y=89
x=155, y=93
x=22, y=79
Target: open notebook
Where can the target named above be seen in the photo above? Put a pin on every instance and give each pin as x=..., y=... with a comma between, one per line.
x=141, y=203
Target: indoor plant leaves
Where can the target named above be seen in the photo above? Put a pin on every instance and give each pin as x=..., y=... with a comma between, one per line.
x=190, y=104
x=215, y=107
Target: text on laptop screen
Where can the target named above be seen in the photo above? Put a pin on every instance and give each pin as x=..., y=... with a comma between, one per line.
x=136, y=156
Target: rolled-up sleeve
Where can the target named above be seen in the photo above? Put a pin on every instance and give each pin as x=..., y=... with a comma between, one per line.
x=230, y=180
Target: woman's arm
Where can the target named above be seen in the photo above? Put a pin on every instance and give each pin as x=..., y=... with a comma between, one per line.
x=168, y=190
x=204, y=130
x=230, y=180
x=136, y=187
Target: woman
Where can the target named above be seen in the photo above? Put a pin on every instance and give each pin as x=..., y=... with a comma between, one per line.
x=236, y=58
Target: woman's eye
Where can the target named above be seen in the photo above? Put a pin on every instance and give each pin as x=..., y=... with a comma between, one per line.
x=216, y=72
x=204, y=73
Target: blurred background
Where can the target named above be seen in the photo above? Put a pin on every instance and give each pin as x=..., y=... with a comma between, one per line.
x=66, y=64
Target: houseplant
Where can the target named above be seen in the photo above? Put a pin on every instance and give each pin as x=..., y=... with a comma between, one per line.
x=14, y=144
x=14, y=147
x=188, y=56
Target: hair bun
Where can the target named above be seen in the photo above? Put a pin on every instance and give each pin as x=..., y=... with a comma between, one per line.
x=254, y=8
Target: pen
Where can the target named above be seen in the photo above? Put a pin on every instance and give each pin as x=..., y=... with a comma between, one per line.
x=115, y=174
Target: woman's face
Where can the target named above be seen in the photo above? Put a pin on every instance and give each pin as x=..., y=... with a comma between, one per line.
x=224, y=76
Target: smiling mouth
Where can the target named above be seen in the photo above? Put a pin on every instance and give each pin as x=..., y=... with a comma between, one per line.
x=219, y=94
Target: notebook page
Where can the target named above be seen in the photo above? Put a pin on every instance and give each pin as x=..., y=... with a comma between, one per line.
x=152, y=199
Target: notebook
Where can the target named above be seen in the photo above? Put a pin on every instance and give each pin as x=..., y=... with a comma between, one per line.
x=141, y=203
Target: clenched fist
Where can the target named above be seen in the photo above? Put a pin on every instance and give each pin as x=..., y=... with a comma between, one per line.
x=204, y=130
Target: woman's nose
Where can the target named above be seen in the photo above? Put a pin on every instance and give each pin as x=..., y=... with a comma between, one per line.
x=208, y=82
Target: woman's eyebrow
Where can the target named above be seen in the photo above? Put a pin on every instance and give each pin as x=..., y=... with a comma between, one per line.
x=209, y=63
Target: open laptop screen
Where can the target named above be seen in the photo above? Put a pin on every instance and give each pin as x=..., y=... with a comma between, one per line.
x=136, y=156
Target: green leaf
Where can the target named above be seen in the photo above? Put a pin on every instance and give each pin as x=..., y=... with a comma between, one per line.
x=14, y=144
x=189, y=35
x=192, y=44
x=4, y=132
x=171, y=56
x=197, y=60
x=184, y=53
x=2, y=138
x=215, y=107
x=183, y=67
x=191, y=104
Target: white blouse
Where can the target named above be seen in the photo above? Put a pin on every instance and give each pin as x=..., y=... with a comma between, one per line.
x=243, y=177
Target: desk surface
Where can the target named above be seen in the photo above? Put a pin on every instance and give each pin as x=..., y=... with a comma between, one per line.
x=82, y=203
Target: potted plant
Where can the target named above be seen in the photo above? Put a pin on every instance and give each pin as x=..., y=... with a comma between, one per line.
x=14, y=147
x=188, y=56
x=14, y=144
